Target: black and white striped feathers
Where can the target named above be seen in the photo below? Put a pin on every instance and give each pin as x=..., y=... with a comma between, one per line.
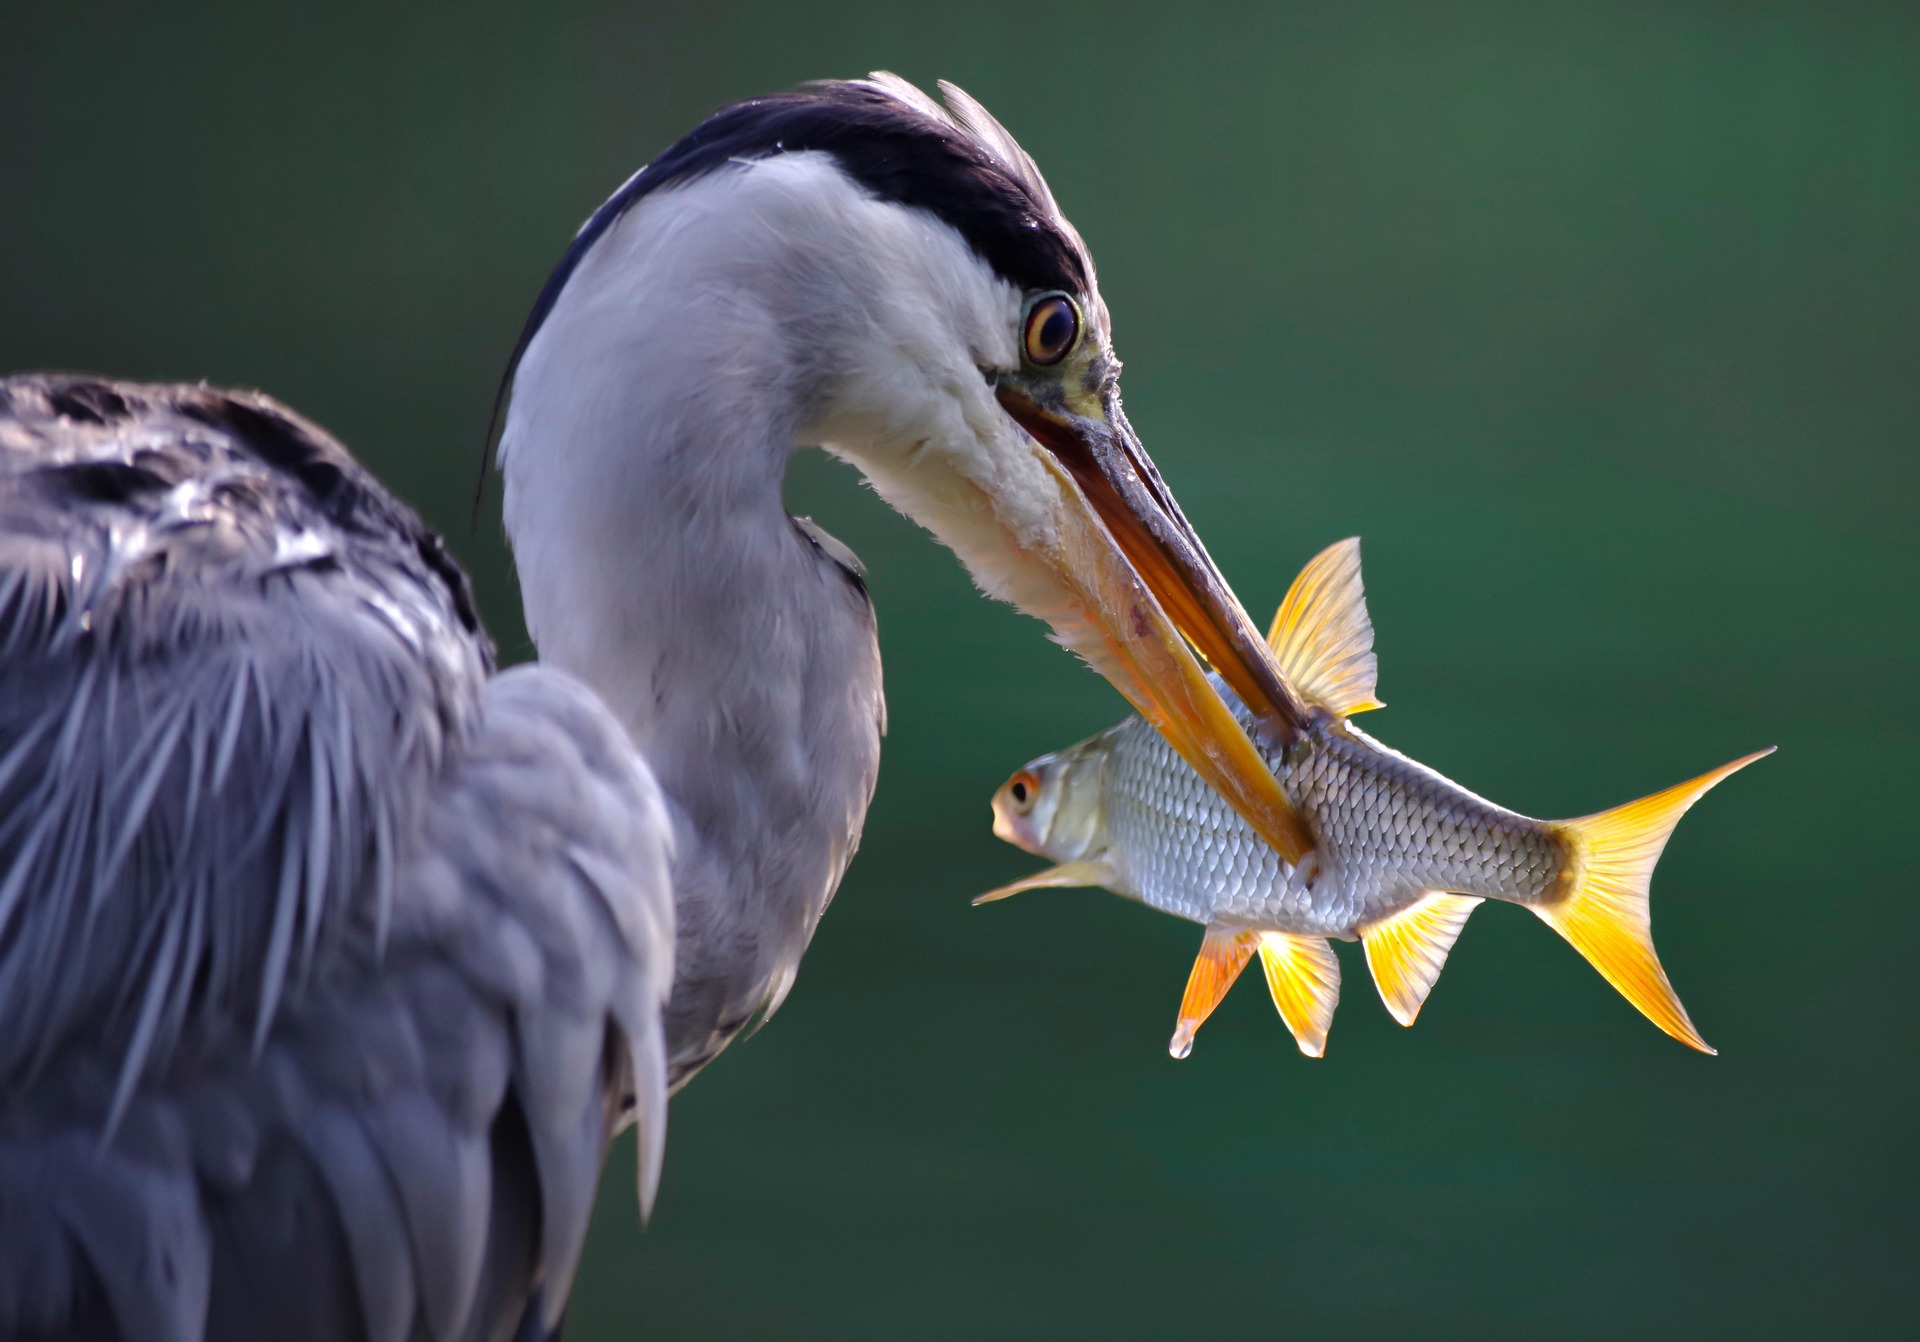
x=956, y=162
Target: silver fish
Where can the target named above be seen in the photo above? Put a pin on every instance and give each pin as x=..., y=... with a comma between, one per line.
x=1400, y=857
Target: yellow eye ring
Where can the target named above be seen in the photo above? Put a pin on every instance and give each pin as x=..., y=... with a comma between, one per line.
x=1023, y=790
x=1051, y=330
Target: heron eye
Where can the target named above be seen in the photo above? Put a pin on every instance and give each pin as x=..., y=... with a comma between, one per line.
x=1023, y=789
x=1053, y=327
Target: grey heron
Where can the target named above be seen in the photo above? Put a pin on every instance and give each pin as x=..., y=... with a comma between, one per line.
x=331, y=959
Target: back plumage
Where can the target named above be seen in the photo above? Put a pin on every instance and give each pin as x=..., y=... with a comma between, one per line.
x=330, y=961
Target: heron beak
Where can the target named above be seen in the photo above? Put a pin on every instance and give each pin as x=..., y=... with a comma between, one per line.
x=1148, y=589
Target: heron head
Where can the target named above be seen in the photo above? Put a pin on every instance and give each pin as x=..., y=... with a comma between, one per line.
x=864, y=269
x=981, y=396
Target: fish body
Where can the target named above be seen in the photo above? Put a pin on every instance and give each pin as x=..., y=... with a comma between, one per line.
x=1390, y=831
x=1401, y=854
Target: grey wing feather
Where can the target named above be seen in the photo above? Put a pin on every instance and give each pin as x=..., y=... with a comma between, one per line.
x=329, y=962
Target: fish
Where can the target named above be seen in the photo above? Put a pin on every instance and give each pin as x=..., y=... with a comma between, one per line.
x=1400, y=854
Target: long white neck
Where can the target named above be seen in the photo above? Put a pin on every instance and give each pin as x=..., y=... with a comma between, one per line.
x=652, y=420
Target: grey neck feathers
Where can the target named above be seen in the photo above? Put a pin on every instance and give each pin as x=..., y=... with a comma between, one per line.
x=644, y=455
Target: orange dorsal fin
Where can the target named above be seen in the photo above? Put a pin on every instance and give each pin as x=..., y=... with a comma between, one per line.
x=1602, y=906
x=1322, y=637
x=1407, y=951
x=1303, y=974
x=1223, y=954
x=1066, y=874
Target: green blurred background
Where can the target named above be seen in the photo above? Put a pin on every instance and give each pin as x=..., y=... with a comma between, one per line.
x=1600, y=323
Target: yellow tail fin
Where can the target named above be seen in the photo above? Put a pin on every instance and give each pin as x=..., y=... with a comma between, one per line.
x=1603, y=911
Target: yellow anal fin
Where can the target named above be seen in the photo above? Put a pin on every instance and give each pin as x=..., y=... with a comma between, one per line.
x=1067, y=873
x=1303, y=974
x=1407, y=951
x=1603, y=908
x=1223, y=954
x=1322, y=636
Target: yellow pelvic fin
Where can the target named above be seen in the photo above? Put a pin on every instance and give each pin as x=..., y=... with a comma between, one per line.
x=1067, y=873
x=1322, y=637
x=1223, y=954
x=1303, y=974
x=1407, y=951
x=1603, y=908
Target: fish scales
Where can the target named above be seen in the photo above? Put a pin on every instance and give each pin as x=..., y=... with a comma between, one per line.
x=1181, y=848
x=1389, y=829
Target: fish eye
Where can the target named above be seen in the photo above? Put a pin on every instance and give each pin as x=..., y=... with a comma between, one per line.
x=1023, y=789
x=1052, y=329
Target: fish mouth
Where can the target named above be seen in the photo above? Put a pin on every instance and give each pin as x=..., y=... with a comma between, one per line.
x=1151, y=597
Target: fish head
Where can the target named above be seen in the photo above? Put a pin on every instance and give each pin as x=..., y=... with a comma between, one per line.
x=1055, y=806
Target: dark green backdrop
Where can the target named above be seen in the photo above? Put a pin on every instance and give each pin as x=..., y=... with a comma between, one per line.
x=1600, y=323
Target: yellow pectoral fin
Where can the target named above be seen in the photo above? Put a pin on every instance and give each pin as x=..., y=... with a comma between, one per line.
x=1066, y=874
x=1223, y=954
x=1303, y=974
x=1322, y=636
x=1407, y=951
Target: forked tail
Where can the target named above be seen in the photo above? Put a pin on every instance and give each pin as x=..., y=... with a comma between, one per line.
x=1603, y=911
